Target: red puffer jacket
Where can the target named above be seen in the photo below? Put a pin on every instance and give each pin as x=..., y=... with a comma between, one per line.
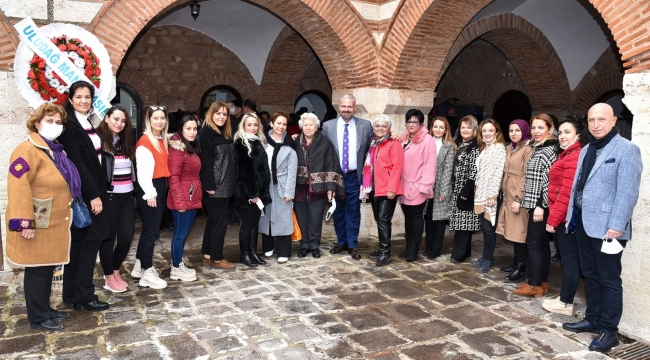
x=184, y=185
x=560, y=178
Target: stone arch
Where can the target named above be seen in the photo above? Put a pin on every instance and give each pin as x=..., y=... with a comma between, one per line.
x=8, y=44
x=314, y=78
x=335, y=31
x=500, y=88
x=137, y=81
x=422, y=30
x=246, y=87
x=447, y=91
x=595, y=89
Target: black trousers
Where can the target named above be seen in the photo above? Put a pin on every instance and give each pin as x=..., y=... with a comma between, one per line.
x=121, y=211
x=310, y=220
x=151, y=220
x=38, y=288
x=462, y=247
x=414, y=221
x=489, y=238
x=383, y=209
x=214, y=235
x=521, y=252
x=250, y=218
x=539, y=250
x=78, y=287
x=281, y=245
x=435, y=232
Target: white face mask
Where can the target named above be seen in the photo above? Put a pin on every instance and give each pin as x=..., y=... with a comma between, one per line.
x=50, y=131
x=569, y=145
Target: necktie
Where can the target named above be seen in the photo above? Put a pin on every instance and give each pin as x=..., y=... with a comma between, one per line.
x=346, y=141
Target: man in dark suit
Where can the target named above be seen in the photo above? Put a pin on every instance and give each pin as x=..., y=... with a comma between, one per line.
x=351, y=138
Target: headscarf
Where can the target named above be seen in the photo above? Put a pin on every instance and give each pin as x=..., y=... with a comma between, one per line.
x=66, y=168
x=525, y=131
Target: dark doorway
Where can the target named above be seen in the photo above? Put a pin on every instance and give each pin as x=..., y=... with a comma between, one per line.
x=217, y=93
x=316, y=102
x=510, y=106
x=624, y=116
x=129, y=98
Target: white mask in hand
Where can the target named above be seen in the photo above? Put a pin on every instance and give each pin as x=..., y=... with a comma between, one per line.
x=330, y=211
x=611, y=246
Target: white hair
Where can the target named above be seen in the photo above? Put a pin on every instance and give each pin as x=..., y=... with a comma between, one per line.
x=308, y=116
x=382, y=118
x=348, y=96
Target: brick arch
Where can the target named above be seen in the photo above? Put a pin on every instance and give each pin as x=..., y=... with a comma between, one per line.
x=595, y=89
x=422, y=31
x=8, y=44
x=246, y=87
x=446, y=91
x=498, y=89
x=314, y=78
x=336, y=32
x=285, y=65
x=137, y=81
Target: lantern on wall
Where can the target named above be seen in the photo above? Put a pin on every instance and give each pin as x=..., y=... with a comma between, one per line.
x=195, y=9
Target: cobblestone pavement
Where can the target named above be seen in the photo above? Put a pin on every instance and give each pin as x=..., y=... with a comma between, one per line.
x=332, y=307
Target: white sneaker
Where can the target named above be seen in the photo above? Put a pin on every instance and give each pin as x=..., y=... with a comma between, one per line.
x=136, y=273
x=557, y=306
x=268, y=253
x=282, y=260
x=150, y=278
x=182, y=273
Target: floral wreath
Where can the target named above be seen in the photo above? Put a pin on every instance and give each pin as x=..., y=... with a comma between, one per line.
x=47, y=82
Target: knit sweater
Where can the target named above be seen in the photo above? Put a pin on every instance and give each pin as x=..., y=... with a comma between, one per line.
x=489, y=171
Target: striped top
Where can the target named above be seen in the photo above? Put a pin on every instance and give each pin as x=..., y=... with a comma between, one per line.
x=90, y=130
x=122, y=182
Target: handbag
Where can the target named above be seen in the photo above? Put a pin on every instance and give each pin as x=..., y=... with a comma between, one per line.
x=80, y=215
x=297, y=234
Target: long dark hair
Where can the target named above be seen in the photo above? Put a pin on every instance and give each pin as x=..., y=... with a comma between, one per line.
x=73, y=89
x=193, y=147
x=579, y=126
x=125, y=144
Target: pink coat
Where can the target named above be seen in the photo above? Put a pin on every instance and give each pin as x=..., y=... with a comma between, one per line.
x=419, y=170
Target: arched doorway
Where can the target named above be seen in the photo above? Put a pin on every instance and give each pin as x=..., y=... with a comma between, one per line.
x=510, y=106
x=624, y=116
x=315, y=102
x=129, y=98
x=218, y=93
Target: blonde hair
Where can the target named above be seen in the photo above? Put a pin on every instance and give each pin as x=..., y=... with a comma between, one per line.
x=241, y=133
x=216, y=106
x=149, y=132
x=548, y=121
x=447, y=138
x=471, y=121
x=498, y=137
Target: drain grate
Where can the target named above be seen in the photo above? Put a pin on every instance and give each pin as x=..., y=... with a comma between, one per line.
x=635, y=351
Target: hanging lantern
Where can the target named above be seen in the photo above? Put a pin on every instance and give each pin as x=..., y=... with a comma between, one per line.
x=195, y=9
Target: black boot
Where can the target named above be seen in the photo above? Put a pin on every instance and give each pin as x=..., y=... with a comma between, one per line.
x=518, y=275
x=412, y=249
x=253, y=248
x=428, y=251
x=244, y=248
x=509, y=269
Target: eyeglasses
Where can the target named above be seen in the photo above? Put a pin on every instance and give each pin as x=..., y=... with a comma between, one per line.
x=157, y=107
x=380, y=126
x=412, y=123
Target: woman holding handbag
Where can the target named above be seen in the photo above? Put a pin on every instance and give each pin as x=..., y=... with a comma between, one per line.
x=276, y=225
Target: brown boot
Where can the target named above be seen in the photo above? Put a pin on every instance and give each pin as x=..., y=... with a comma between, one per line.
x=544, y=287
x=206, y=261
x=223, y=264
x=528, y=290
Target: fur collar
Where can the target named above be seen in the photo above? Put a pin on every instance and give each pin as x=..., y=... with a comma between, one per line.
x=419, y=136
x=176, y=143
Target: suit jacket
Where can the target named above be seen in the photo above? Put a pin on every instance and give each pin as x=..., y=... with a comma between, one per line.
x=364, y=135
x=611, y=190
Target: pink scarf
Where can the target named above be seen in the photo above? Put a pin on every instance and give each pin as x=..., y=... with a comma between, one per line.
x=369, y=167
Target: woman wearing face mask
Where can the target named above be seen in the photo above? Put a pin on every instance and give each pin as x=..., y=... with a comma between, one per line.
x=276, y=225
x=572, y=137
x=513, y=222
x=439, y=208
x=184, y=191
x=463, y=220
x=83, y=147
x=536, y=202
x=218, y=179
x=115, y=133
x=489, y=171
x=152, y=156
x=253, y=182
x=40, y=183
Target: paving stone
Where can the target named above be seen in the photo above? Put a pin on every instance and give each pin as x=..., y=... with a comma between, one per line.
x=448, y=300
x=292, y=307
x=328, y=303
x=363, y=299
x=18, y=309
x=445, y=287
x=419, y=276
x=255, y=291
x=476, y=298
x=3, y=327
x=226, y=343
x=501, y=293
x=216, y=310
x=426, y=331
x=127, y=334
x=382, y=273
x=376, y=340
x=167, y=327
x=271, y=344
x=322, y=319
x=469, y=278
x=244, y=354
x=83, y=354
x=196, y=324
x=405, y=312
x=30, y=344
x=182, y=346
x=138, y=352
x=444, y=351
x=365, y=320
x=77, y=340
x=402, y=289
x=548, y=342
x=516, y=314
x=208, y=334
x=384, y=355
x=120, y=316
x=338, y=350
x=267, y=313
x=253, y=330
x=490, y=343
x=337, y=329
x=298, y=333
x=251, y=304
x=472, y=317
x=296, y=353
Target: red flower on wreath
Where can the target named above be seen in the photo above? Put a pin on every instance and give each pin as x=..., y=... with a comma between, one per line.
x=48, y=84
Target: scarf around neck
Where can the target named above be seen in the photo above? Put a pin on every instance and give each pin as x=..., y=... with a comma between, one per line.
x=590, y=158
x=66, y=168
x=369, y=166
x=285, y=141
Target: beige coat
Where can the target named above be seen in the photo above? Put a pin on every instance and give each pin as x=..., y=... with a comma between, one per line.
x=39, y=199
x=512, y=186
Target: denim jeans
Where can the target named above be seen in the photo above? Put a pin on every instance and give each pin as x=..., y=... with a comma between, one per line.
x=182, y=225
x=570, y=264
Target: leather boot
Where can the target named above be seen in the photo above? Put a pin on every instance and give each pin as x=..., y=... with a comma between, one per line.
x=509, y=269
x=244, y=248
x=253, y=248
x=528, y=290
x=518, y=275
x=412, y=249
x=544, y=287
x=428, y=251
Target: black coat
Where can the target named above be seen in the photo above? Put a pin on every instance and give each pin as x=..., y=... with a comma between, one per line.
x=253, y=174
x=81, y=151
x=217, y=164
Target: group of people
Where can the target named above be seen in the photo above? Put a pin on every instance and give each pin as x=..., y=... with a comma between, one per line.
x=582, y=186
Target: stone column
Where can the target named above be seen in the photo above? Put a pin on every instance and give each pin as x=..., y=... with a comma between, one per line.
x=636, y=314
x=394, y=103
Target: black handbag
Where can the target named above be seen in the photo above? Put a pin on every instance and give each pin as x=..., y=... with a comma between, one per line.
x=80, y=215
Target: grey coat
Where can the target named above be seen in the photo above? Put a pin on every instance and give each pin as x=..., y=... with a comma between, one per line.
x=364, y=134
x=278, y=213
x=443, y=185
